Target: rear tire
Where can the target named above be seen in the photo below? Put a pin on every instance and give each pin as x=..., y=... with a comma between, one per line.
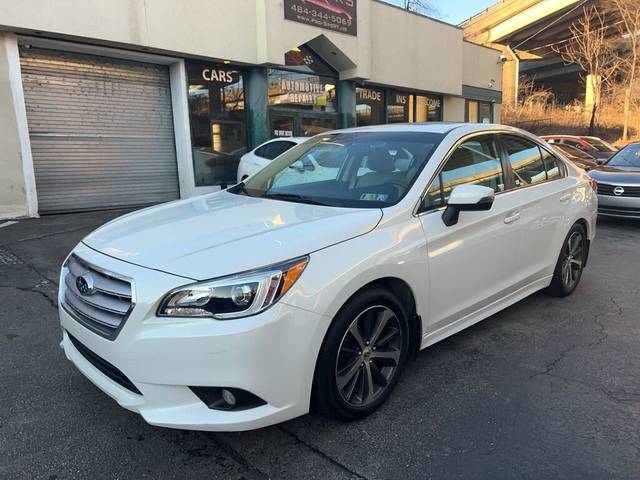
x=362, y=356
x=570, y=265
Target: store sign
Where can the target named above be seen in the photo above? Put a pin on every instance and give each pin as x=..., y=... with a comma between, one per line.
x=400, y=99
x=283, y=133
x=366, y=94
x=303, y=92
x=217, y=75
x=337, y=15
x=434, y=102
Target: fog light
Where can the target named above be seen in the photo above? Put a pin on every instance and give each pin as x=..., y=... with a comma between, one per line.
x=229, y=397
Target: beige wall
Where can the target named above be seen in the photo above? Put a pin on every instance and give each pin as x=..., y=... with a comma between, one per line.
x=13, y=199
x=211, y=28
x=453, y=109
x=411, y=51
x=392, y=47
x=481, y=65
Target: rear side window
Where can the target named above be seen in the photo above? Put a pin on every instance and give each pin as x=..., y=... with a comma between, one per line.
x=476, y=162
x=526, y=161
x=273, y=149
x=530, y=163
x=552, y=164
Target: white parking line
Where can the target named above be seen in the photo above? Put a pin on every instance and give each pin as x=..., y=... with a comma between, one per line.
x=6, y=224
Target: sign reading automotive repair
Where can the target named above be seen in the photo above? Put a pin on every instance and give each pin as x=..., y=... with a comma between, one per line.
x=336, y=15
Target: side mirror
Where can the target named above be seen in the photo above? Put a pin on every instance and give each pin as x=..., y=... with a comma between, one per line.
x=600, y=161
x=467, y=198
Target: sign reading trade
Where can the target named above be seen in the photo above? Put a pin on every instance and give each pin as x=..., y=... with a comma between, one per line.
x=336, y=15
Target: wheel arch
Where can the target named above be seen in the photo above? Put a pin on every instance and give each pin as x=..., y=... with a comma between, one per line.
x=405, y=295
x=585, y=224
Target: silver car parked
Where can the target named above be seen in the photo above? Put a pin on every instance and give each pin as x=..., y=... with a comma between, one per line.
x=619, y=183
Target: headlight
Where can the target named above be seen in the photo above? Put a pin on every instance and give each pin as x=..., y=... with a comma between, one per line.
x=234, y=296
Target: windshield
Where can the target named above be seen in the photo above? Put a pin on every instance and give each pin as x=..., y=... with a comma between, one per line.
x=572, y=151
x=600, y=145
x=629, y=156
x=351, y=169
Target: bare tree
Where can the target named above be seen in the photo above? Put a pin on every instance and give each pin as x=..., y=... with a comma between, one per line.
x=629, y=12
x=590, y=49
x=421, y=6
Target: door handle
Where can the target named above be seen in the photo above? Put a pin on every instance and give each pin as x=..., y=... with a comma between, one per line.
x=566, y=197
x=512, y=217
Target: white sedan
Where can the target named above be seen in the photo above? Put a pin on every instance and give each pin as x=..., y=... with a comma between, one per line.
x=262, y=155
x=249, y=306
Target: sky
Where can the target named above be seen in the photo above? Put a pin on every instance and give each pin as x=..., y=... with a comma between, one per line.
x=455, y=11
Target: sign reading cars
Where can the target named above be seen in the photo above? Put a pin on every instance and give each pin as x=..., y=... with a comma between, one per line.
x=337, y=15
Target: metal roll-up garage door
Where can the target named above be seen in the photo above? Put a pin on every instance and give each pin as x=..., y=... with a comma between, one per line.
x=101, y=131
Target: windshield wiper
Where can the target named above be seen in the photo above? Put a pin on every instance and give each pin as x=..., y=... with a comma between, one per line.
x=293, y=197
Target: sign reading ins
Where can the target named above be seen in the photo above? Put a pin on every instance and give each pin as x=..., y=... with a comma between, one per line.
x=336, y=15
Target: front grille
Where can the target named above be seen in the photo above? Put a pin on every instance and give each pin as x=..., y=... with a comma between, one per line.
x=103, y=309
x=619, y=211
x=607, y=189
x=105, y=367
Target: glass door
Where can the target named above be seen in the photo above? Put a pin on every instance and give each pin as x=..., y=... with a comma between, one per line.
x=310, y=126
x=283, y=126
x=291, y=123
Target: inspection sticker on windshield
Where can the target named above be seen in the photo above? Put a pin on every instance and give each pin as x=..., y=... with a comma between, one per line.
x=374, y=197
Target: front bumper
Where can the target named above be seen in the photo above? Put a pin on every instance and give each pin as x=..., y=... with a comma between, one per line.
x=271, y=355
x=612, y=206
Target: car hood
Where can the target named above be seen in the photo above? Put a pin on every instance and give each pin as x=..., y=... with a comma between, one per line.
x=616, y=175
x=224, y=233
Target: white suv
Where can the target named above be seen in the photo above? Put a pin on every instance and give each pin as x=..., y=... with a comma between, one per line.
x=246, y=307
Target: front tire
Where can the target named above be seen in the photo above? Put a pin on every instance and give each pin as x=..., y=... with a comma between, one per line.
x=570, y=265
x=362, y=356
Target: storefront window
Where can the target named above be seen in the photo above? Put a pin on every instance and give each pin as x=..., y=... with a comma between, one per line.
x=479, y=112
x=485, y=112
x=398, y=106
x=216, y=106
x=472, y=111
x=406, y=107
x=311, y=126
x=301, y=91
x=369, y=106
x=428, y=108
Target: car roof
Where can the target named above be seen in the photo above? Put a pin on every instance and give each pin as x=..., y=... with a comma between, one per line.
x=287, y=139
x=562, y=136
x=429, y=127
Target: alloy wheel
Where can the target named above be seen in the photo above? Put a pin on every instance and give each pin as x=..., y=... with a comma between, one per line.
x=573, y=261
x=368, y=356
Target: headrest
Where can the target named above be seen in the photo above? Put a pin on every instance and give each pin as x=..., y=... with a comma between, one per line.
x=380, y=161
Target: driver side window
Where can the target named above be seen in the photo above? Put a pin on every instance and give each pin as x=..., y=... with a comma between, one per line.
x=475, y=161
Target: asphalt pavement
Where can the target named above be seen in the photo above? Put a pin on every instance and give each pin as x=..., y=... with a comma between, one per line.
x=549, y=388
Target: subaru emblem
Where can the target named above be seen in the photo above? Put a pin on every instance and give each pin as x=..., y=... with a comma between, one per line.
x=84, y=284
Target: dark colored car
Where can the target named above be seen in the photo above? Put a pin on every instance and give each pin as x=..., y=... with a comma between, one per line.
x=619, y=183
x=594, y=146
x=580, y=158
